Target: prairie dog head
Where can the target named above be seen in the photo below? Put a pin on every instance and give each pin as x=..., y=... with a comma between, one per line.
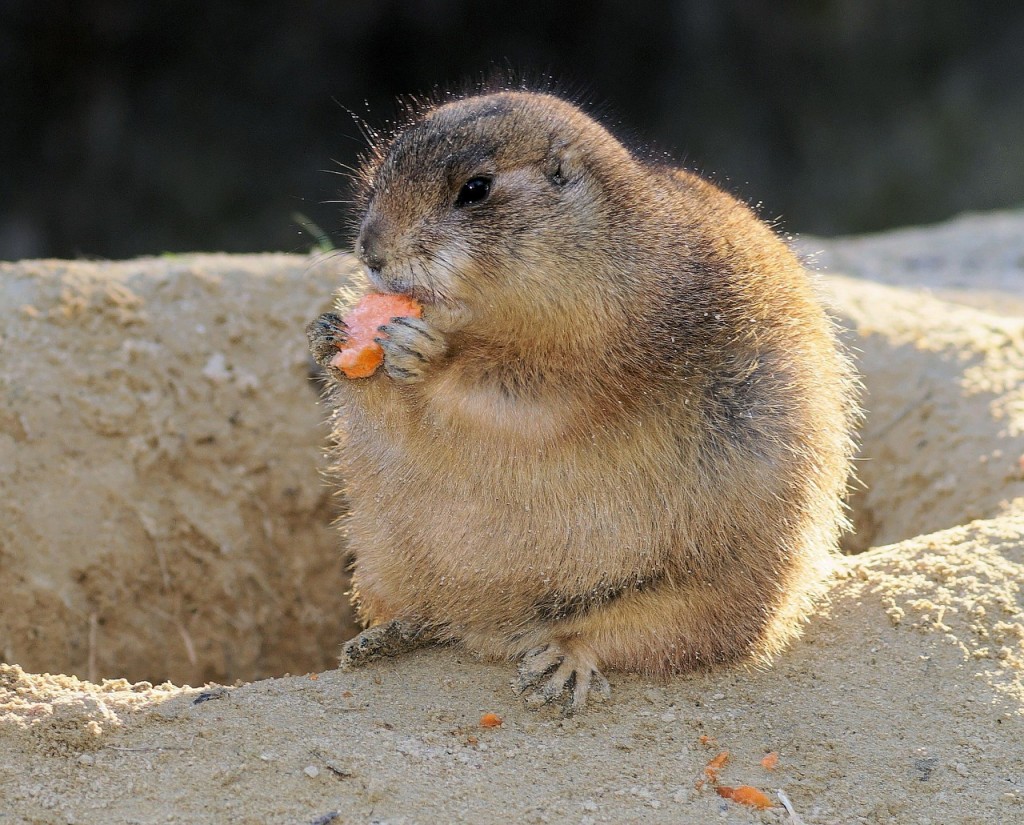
x=494, y=207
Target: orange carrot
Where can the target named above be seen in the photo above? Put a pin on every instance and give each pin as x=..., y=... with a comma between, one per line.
x=715, y=765
x=361, y=355
x=491, y=720
x=745, y=795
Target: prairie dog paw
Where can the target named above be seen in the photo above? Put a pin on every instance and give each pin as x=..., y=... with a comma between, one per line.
x=411, y=345
x=547, y=672
x=326, y=335
x=381, y=641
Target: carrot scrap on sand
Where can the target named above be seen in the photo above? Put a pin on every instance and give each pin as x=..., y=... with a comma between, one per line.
x=491, y=720
x=711, y=770
x=770, y=761
x=361, y=355
x=715, y=765
x=745, y=795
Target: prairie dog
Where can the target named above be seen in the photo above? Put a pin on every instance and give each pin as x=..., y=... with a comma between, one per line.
x=620, y=435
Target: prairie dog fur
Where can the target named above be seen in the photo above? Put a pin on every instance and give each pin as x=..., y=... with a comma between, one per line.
x=620, y=435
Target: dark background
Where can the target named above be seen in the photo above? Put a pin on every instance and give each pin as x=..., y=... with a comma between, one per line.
x=131, y=128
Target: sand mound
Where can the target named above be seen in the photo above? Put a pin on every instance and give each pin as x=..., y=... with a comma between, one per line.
x=161, y=515
x=193, y=543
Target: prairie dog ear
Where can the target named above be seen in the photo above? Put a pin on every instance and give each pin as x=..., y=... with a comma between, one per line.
x=564, y=164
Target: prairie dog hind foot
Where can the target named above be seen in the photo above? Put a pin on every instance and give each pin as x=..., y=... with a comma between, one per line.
x=382, y=641
x=549, y=671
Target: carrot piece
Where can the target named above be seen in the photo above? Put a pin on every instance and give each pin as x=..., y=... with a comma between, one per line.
x=745, y=795
x=770, y=761
x=491, y=720
x=715, y=765
x=361, y=355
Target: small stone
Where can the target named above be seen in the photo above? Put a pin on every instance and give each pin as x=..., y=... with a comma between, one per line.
x=682, y=795
x=590, y=805
x=216, y=370
x=961, y=769
x=312, y=771
x=668, y=716
x=86, y=759
x=654, y=803
x=267, y=756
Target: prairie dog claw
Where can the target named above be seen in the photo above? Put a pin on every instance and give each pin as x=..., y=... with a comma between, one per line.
x=548, y=672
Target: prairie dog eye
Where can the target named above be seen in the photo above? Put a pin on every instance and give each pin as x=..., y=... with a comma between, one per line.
x=474, y=190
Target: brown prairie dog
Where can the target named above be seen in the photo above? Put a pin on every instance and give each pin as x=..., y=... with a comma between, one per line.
x=620, y=435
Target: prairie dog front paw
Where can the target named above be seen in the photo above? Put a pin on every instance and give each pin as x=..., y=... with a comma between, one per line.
x=326, y=335
x=411, y=346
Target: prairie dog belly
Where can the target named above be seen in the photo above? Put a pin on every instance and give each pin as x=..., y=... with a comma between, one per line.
x=504, y=529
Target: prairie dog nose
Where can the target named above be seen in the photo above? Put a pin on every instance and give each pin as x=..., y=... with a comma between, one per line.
x=369, y=246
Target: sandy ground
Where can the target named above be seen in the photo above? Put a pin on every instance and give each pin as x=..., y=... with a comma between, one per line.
x=161, y=517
